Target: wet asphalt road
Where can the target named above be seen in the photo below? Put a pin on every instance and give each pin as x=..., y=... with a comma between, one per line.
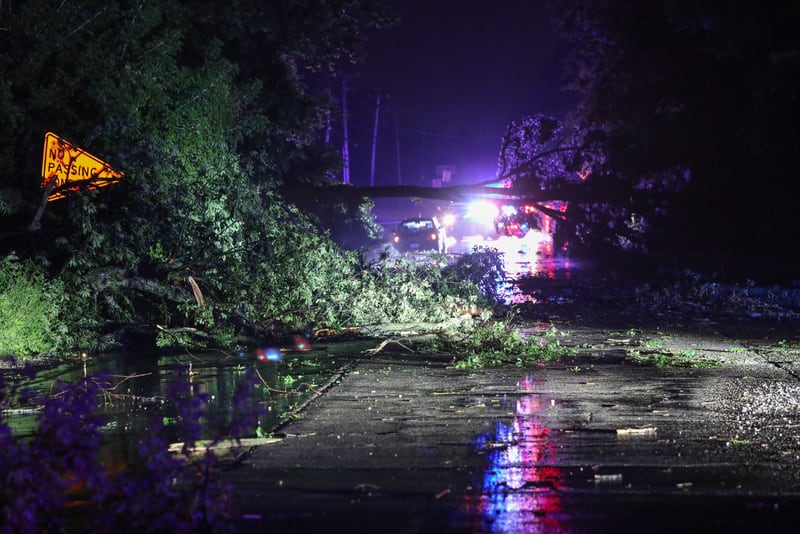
x=592, y=443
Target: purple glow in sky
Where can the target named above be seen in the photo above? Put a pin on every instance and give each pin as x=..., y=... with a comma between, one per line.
x=452, y=76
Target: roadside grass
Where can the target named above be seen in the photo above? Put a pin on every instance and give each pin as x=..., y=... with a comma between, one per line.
x=493, y=343
x=654, y=343
x=656, y=352
x=665, y=358
x=786, y=348
x=29, y=309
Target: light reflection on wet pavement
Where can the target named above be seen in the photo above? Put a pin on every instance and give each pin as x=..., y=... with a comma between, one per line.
x=531, y=256
x=521, y=483
x=407, y=445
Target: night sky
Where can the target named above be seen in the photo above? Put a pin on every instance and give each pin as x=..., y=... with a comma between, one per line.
x=452, y=75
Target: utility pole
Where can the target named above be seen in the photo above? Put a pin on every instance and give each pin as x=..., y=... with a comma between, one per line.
x=345, y=145
x=424, y=134
x=328, y=121
x=397, y=145
x=374, y=141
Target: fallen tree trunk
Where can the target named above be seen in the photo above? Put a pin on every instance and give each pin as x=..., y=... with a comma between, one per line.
x=597, y=190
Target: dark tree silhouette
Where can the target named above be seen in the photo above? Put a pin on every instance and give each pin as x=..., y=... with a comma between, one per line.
x=687, y=126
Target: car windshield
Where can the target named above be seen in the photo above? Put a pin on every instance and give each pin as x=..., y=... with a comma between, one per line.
x=418, y=225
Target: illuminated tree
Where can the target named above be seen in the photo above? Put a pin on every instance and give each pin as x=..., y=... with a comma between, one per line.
x=206, y=107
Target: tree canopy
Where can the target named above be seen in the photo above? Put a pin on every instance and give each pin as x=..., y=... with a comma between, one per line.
x=683, y=143
x=211, y=110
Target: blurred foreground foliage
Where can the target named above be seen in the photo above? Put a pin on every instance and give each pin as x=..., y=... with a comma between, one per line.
x=55, y=481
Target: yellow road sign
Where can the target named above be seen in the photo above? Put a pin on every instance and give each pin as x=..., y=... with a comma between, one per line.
x=72, y=168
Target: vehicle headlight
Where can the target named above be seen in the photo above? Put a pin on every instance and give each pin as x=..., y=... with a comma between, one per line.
x=483, y=211
x=509, y=210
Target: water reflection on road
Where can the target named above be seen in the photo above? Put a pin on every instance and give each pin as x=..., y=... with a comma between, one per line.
x=137, y=387
x=529, y=256
x=520, y=487
x=521, y=482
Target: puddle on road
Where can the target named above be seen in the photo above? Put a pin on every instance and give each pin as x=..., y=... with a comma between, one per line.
x=139, y=386
x=531, y=256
